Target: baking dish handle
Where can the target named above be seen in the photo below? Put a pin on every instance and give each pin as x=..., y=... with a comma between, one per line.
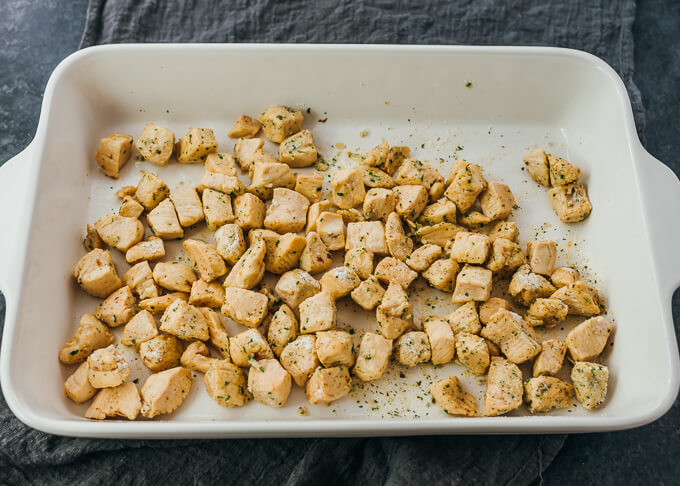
x=661, y=199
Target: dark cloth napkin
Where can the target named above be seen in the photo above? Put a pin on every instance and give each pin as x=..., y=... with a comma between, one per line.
x=602, y=28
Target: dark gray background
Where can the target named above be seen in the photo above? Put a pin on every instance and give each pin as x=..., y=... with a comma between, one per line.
x=36, y=35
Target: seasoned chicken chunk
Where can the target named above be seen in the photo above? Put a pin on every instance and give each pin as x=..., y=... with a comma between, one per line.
x=249, y=211
x=490, y=307
x=287, y=212
x=247, y=345
x=163, y=221
x=77, y=387
x=564, y=276
x=442, y=274
x=230, y=243
x=503, y=388
x=360, y=260
x=298, y=150
x=227, y=184
x=156, y=144
x=413, y=348
x=286, y=253
x=315, y=257
x=106, y=368
x=157, y=305
x=226, y=384
x=472, y=283
x=570, y=202
x=410, y=200
x=125, y=191
x=536, y=163
x=339, y=282
x=310, y=186
x=328, y=384
x=373, y=357
x=587, y=340
x=118, y=231
x=399, y=245
x=545, y=393
x=379, y=203
x=562, y=172
x=130, y=208
x=151, y=191
x=331, y=229
x=141, y=328
x=348, y=188
x=314, y=212
x=542, y=256
x=390, y=270
x=374, y=177
x=465, y=184
x=472, y=352
x=113, y=153
x=249, y=269
x=415, y=172
x=208, y=294
x=449, y=394
x=121, y=401
x=217, y=209
x=464, y=319
x=184, y=321
x=279, y=122
x=246, y=307
x=218, y=335
x=282, y=330
x=317, y=313
x=244, y=127
x=441, y=211
x=150, y=249
x=187, y=205
x=268, y=175
x=299, y=358
x=174, y=276
x=395, y=312
x=546, y=311
x=505, y=255
x=590, y=383
x=165, y=391
x=497, y=201
x=334, y=348
x=368, y=294
x=504, y=229
x=296, y=286
x=581, y=298
x=221, y=163
x=205, y=259
x=367, y=234
x=441, y=339
x=549, y=361
x=269, y=382
x=473, y=220
x=470, y=248
x=92, y=239
x=140, y=280
x=526, y=286
x=439, y=234
x=91, y=334
x=196, y=145
x=118, y=308
x=249, y=152
x=514, y=336
x=377, y=156
x=197, y=357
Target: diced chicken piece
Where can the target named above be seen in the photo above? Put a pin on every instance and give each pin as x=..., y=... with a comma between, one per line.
x=227, y=184
x=391, y=270
x=113, y=153
x=399, y=245
x=379, y=203
x=590, y=383
x=315, y=257
x=90, y=335
x=562, y=172
x=184, y=321
x=268, y=175
x=156, y=144
x=546, y=311
x=493, y=349
x=197, y=357
x=226, y=384
x=218, y=335
x=439, y=234
x=208, y=294
x=464, y=319
x=542, y=256
x=369, y=293
x=163, y=221
x=269, y=382
x=118, y=231
x=413, y=348
x=361, y=261
x=125, y=191
x=286, y=253
x=119, y=401
x=77, y=387
x=131, y=208
x=196, y=145
x=374, y=177
x=244, y=127
x=472, y=283
x=246, y=307
x=287, y=212
x=334, y=348
x=249, y=269
x=564, y=276
x=470, y=248
x=570, y=202
x=230, y=243
x=545, y=393
x=205, y=259
x=536, y=163
x=415, y=172
x=331, y=229
x=373, y=357
x=249, y=211
x=140, y=280
x=339, y=282
x=187, y=205
x=581, y=298
x=296, y=286
x=505, y=255
x=504, y=229
x=473, y=220
x=551, y=358
x=221, y=163
x=247, y=345
x=280, y=122
x=490, y=307
x=348, y=188
x=466, y=183
x=510, y=333
x=174, y=276
x=298, y=150
x=503, y=388
x=118, y=308
x=317, y=313
x=164, y=392
x=377, y=156
x=150, y=249
x=158, y=305
x=587, y=340
x=106, y=368
x=441, y=211
x=314, y=212
x=367, y=234
x=217, y=209
x=249, y=152
x=92, y=239
x=310, y=186
x=441, y=339
x=140, y=329
x=410, y=200
x=442, y=274
x=274, y=302
x=472, y=352
x=282, y=330
x=395, y=157
x=526, y=286
x=497, y=201
x=151, y=191
x=299, y=358
x=395, y=312
x=449, y=394
x=328, y=384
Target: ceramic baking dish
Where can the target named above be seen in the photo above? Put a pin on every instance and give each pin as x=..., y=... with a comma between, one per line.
x=489, y=105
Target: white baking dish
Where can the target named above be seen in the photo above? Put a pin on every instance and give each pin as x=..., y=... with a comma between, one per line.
x=518, y=97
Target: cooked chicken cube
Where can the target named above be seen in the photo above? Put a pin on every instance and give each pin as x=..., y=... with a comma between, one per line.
x=514, y=336
x=464, y=319
x=449, y=394
x=551, y=358
x=542, y=256
x=503, y=388
x=546, y=311
x=442, y=274
x=379, y=203
x=399, y=245
x=163, y=221
x=348, y=188
x=415, y=172
x=196, y=145
x=92, y=239
x=315, y=257
x=118, y=231
x=298, y=150
x=157, y=305
x=187, y=205
x=369, y=293
x=331, y=229
x=246, y=307
x=113, y=153
x=249, y=152
x=313, y=214
x=441, y=339
x=526, y=286
x=286, y=253
x=156, y=144
x=441, y=211
x=504, y=229
x=150, y=249
x=184, y=321
x=221, y=163
x=391, y=270
x=90, y=335
x=125, y=191
x=317, y=313
x=490, y=307
x=472, y=352
x=299, y=358
x=466, y=183
x=394, y=158
x=472, y=283
x=247, y=345
x=121, y=401
x=373, y=357
x=587, y=340
x=280, y=122
x=350, y=215
x=395, y=312
x=410, y=200
x=208, y=294
x=151, y=191
x=570, y=202
x=249, y=269
x=249, y=211
x=230, y=243
x=328, y=384
x=581, y=298
x=227, y=184
x=287, y=212
x=77, y=387
x=282, y=330
x=377, y=156
x=269, y=382
x=413, y=348
x=218, y=335
x=174, y=276
x=439, y=234
x=295, y=286
x=367, y=234
x=545, y=393
x=590, y=383
x=268, y=175
x=205, y=259
x=197, y=357
x=107, y=368
x=164, y=392
x=118, y=308
x=497, y=201
x=244, y=127
x=562, y=172
x=339, y=282
x=334, y=348
x=140, y=280
x=536, y=163
x=140, y=329
x=310, y=186
x=505, y=255
x=217, y=209
x=361, y=261
x=226, y=384
x=473, y=220
x=131, y=208
x=470, y=248
x=564, y=276
x=374, y=177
